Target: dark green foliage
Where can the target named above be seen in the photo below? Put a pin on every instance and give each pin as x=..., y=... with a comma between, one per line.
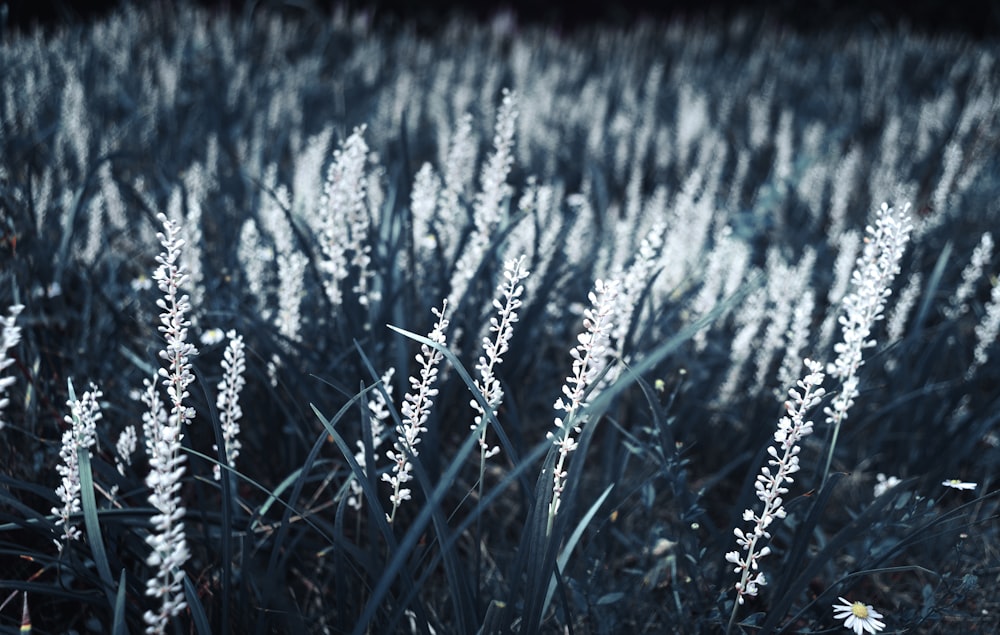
x=665, y=465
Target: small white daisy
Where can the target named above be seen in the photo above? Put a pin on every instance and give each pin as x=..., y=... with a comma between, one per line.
x=957, y=484
x=858, y=617
x=211, y=337
x=142, y=283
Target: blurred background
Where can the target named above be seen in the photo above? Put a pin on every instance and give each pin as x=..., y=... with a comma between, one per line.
x=974, y=18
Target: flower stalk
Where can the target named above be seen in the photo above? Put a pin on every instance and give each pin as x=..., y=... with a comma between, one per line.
x=164, y=434
x=415, y=411
x=872, y=278
x=771, y=485
x=590, y=358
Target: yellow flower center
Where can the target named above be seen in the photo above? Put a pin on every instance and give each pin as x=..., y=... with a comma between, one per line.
x=860, y=610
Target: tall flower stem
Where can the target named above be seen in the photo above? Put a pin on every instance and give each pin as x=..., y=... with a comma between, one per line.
x=164, y=434
x=502, y=325
x=590, y=357
x=770, y=485
x=416, y=410
x=872, y=278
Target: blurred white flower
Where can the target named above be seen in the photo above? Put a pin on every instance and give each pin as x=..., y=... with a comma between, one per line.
x=885, y=483
x=858, y=617
x=10, y=335
x=142, y=283
x=954, y=483
x=211, y=337
x=228, y=399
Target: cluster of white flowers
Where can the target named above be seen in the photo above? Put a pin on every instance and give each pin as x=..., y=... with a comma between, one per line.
x=634, y=282
x=487, y=210
x=125, y=447
x=415, y=410
x=457, y=175
x=885, y=483
x=195, y=185
x=423, y=204
x=872, y=278
x=590, y=358
x=771, y=482
x=502, y=325
x=896, y=324
x=848, y=245
x=986, y=332
x=343, y=207
x=9, y=339
x=797, y=337
x=959, y=303
x=164, y=433
x=84, y=414
x=254, y=257
x=228, y=400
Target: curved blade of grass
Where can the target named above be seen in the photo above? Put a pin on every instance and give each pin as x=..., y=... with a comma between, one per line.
x=47, y=589
x=26, y=516
x=92, y=524
x=800, y=542
x=505, y=443
x=397, y=564
x=285, y=526
x=930, y=290
x=343, y=589
x=829, y=551
x=118, y=626
x=147, y=368
x=295, y=476
x=458, y=583
x=272, y=496
x=198, y=617
x=658, y=414
x=574, y=538
x=538, y=452
x=661, y=352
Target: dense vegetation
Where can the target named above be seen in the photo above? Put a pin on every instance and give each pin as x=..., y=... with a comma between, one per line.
x=315, y=327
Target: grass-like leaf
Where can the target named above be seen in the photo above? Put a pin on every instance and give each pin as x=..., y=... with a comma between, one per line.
x=198, y=617
x=93, y=526
x=573, y=539
x=118, y=625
